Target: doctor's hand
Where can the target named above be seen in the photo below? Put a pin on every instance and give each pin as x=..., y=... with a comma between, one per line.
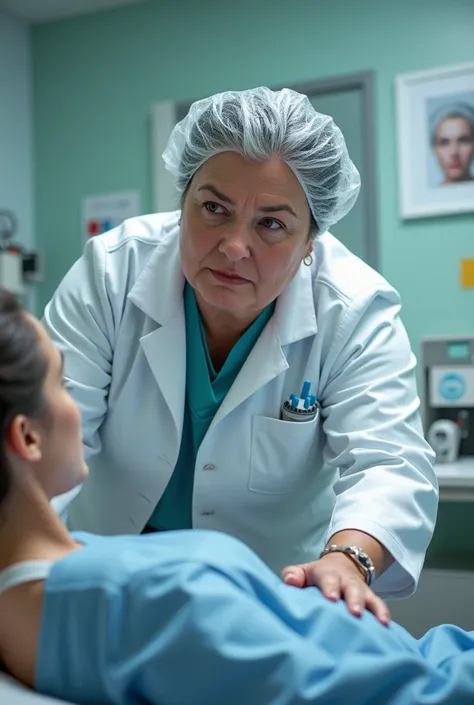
x=338, y=577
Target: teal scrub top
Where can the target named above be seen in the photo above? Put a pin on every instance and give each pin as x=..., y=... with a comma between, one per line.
x=205, y=391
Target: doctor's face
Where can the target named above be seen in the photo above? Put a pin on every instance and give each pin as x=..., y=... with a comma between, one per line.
x=454, y=148
x=244, y=232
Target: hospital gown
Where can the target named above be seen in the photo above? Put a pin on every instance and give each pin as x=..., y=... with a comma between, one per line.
x=196, y=618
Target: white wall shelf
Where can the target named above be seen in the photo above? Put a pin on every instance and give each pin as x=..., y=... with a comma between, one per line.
x=456, y=480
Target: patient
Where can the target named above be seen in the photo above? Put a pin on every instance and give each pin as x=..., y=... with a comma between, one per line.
x=177, y=618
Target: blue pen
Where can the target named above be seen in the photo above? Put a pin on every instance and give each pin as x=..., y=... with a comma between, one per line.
x=307, y=402
x=312, y=399
x=294, y=401
x=305, y=390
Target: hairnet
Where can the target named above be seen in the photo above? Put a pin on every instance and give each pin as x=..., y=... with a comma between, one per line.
x=457, y=108
x=260, y=124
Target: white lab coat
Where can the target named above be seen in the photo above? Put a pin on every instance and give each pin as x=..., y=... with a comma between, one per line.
x=282, y=487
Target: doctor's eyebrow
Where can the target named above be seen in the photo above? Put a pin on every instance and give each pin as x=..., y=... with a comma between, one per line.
x=218, y=194
x=263, y=209
x=279, y=207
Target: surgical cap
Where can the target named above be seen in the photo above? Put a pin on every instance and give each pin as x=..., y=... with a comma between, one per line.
x=261, y=124
x=455, y=108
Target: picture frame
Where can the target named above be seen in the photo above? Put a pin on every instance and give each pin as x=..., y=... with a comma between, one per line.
x=435, y=132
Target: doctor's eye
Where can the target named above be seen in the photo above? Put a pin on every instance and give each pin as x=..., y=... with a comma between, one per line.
x=213, y=207
x=272, y=224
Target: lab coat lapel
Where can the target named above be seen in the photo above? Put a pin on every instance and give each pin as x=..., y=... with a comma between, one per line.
x=294, y=319
x=158, y=292
x=265, y=362
x=165, y=350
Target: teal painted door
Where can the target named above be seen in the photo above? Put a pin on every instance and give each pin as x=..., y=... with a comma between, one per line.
x=346, y=108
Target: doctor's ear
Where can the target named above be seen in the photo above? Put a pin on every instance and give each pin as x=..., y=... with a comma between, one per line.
x=23, y=440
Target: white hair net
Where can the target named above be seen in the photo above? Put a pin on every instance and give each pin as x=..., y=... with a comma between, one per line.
x=457, y=108
x=259, y=124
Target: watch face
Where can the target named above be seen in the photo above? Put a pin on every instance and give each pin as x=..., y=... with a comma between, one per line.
x=360, y=556
x=363, y=558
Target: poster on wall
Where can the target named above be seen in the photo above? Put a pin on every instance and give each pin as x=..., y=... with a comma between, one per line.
x=105, y=211
x=435, y=113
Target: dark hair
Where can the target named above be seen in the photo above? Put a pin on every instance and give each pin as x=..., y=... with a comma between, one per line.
x=23, y=369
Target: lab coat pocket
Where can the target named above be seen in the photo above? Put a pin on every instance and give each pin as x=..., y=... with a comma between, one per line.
x=283, y=454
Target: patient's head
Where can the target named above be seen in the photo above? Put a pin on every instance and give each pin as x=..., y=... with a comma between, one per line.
x=40, y=423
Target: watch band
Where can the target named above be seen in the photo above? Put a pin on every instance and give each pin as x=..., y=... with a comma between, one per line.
x=360, y=557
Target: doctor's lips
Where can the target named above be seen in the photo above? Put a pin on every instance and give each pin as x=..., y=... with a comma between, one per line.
x=228, y=277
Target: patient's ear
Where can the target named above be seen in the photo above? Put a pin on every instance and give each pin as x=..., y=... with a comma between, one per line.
x=23, y=440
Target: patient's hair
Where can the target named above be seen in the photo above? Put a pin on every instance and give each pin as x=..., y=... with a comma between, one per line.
x=22, y=373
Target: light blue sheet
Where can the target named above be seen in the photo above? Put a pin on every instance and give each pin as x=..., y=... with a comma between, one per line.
x=188, y=618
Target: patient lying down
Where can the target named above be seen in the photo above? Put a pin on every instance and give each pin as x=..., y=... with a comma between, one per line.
x=181, y=618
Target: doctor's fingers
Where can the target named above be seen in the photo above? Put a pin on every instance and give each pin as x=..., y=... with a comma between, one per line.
x=330, y=582
x=295, y=575
x=327, y=575
x=358, y=597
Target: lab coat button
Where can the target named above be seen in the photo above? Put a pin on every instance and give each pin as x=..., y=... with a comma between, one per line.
x=209, y=466
x=207, y=513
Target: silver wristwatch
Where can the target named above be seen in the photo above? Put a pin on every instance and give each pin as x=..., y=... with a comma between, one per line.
x=362, y=559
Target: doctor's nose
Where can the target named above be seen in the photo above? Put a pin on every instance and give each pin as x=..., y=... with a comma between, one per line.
x=235, y=245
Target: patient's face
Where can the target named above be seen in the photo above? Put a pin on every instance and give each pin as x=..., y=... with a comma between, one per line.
x=62, y=466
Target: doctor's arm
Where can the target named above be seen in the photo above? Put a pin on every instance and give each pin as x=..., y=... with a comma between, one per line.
x=387, y=496
x=80, y=321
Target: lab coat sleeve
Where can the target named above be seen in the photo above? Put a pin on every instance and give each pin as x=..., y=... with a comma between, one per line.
x=370, y=409
x=80, y=322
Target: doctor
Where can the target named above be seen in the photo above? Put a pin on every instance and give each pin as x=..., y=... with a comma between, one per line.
x=185, y=333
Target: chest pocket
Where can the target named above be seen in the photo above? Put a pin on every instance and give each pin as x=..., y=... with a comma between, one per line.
x=283, y=454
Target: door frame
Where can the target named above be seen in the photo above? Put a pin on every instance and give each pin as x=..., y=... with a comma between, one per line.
x=165, y=114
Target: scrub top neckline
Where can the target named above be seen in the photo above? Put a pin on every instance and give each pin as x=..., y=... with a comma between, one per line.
x=204, y=392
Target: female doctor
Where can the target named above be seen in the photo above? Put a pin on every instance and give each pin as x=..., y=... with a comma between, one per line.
x=185, y=333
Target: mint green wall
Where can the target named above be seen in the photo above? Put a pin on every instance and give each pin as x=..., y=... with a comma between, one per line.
x=16, y=131
x=95, y=78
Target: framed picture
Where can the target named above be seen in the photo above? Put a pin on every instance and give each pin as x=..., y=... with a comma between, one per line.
x=435, y=112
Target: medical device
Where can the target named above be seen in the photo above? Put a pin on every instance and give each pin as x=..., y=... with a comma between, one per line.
x=444, y=436
x=447, y=393
x=17, y=266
